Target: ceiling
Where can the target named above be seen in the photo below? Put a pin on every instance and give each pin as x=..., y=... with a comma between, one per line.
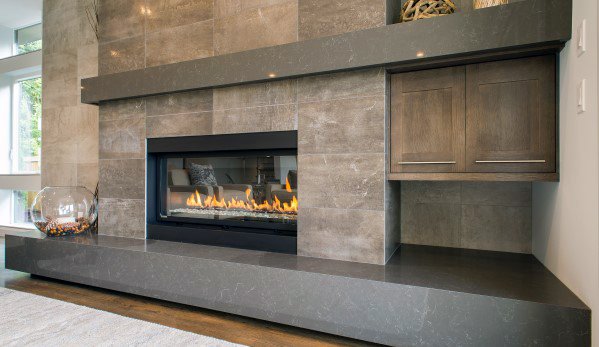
x=20, y=13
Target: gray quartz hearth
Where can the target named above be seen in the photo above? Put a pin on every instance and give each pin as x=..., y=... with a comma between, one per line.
x=423, y=296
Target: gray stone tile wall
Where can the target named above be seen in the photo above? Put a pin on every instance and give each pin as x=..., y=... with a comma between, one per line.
x=70, y=129
x=347, y=205
x=479, y=215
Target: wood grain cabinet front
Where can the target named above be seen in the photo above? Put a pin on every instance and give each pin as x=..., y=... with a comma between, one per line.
x=510, y=116
x=427, y=121
x=487, y=121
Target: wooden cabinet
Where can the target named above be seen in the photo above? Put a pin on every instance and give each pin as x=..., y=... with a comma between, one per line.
x=487, y=121
x=427, y=128
x=510, y=116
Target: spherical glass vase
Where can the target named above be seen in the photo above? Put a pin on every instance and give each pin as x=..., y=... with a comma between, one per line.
x=60, y=211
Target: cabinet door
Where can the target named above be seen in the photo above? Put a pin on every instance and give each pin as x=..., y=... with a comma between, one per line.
x=510, y=116
x=427, y=121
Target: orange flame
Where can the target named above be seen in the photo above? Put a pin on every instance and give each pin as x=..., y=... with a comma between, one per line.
x=211, y=202
x=287, y=185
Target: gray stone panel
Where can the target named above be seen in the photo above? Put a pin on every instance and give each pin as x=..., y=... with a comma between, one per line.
x=181, y=43
x=318, y=18
x=123, y=138
x=169, y=14
x=358, y=126
x=493, y=216
x=245, y=25
x=123, y=178
x=184, y=124
x=121, y=55
x=189, y=102
x=122, y=217
x=121, y=19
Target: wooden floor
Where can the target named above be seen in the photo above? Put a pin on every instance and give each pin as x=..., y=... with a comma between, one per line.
x=224, y=326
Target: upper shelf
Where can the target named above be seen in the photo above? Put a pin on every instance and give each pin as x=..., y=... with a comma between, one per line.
x=499, y=31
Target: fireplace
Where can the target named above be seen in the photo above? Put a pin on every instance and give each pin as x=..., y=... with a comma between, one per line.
x=237, y=190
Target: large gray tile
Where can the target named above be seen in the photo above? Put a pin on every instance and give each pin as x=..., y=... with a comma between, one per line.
x=123, y=138
x=182, y=43
x=184, y=124
x=256, y=28
x=122, y=179
x=133, y=108
x=60, y=64
x=58, y=174
x=122, y=217
x=255, y=119
x=431, y=192
x=497, y=193
x=497, y=228
x=122, y=55
x=166, y=14
x=342, y=126
x=319, y=18
x=87, y=61
x=254, y=95
x=342, y=85
x=88, y=175
x=430, y=224
x=356, y=235
x=58, y=146
x=61, y=92
x=121, y=19
x=189, y=102
x=224, y=8
x=346, y=181
x=63, y=22
x=87, y=134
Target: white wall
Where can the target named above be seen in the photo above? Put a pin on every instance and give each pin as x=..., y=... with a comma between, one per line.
x=565, y=214
x=7, y=39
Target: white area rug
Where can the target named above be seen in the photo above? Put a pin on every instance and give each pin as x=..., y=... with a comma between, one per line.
x=32, y=320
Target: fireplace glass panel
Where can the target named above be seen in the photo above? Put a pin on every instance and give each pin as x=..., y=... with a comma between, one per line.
x=258, y=188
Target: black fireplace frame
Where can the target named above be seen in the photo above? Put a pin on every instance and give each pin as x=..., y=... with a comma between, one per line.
x=249, y=235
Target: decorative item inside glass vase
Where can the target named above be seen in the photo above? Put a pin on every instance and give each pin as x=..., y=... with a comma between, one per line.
x=59, y=211
x=488, y=3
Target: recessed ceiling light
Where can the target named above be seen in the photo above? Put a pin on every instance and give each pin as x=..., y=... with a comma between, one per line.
x=420, y=54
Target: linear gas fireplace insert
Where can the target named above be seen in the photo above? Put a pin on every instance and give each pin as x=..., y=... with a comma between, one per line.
x=237, y=190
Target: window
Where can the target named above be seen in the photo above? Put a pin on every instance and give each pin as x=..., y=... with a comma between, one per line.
x=28, y=39
x=20, y=127
x=27, y=126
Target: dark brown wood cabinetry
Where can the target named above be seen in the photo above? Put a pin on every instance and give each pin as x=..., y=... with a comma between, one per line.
x=427, y=129
x=487, y=121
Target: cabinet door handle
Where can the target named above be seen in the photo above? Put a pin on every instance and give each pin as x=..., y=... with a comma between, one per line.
x=425, y=162
x=526, y=161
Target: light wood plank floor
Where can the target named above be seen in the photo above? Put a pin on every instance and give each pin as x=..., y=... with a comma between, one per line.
x=224, y=326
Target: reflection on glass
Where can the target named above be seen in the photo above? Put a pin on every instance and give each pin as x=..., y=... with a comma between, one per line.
x=14, y=207
x=262, y=188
